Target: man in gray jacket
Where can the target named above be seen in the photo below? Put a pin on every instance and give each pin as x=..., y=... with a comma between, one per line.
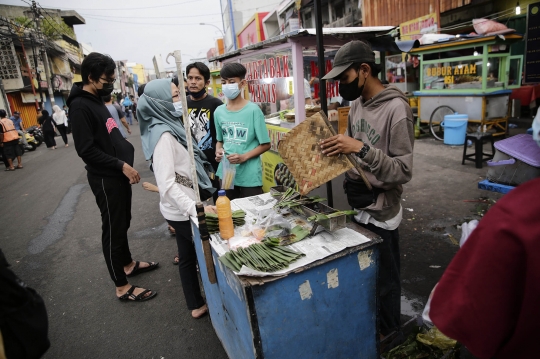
x=381, y=135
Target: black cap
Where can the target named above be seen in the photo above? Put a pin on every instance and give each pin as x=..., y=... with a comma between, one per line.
x=352, y=52
x=16, y=113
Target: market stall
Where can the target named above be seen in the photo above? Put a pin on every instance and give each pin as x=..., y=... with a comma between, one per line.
x=276, y=73
x=322, y=305
x=471, y=75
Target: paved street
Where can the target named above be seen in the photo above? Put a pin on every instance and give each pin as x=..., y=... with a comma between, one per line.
x=51, y=234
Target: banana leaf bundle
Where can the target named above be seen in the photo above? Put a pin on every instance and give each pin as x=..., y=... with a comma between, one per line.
x=297, y=234
x=261, y=257
x=212, y=220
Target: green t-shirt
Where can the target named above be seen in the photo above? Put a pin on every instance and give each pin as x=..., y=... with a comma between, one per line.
x=242, y=131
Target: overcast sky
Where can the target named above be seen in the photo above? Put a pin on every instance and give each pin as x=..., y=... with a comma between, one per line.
x=136, y=30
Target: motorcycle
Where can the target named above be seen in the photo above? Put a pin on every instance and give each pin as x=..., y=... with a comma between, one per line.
x=32, y=143
x=37, y=133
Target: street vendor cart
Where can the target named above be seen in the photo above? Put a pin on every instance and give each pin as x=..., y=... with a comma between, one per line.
x=471, y=75
x=324, y=306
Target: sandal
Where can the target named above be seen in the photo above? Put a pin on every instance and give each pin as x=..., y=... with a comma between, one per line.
x=176, y=260
x=10, y=169
x=129, y=296
x=19, y=167
x=137, y=270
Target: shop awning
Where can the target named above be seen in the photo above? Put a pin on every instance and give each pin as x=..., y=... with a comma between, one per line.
x=378, y=36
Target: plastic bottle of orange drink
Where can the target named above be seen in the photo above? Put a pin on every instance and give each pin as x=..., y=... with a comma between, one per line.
x=226, y=226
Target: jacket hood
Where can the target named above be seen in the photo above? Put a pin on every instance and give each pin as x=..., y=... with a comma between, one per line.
x=77, y=91
x=389, y=93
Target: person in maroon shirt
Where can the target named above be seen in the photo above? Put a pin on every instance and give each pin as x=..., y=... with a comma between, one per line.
x=489, y=296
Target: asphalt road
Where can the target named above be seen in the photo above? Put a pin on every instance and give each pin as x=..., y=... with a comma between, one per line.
x=51, y=235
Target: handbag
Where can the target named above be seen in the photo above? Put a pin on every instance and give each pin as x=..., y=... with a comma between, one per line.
x=23, y=317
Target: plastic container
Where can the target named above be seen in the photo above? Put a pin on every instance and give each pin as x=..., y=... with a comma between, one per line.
x=224, y=212
x=455, y=129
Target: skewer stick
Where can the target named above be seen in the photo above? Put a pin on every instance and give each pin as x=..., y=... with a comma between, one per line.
x=203, y=229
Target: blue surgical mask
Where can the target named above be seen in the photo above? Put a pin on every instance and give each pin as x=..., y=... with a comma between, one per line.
x=536, y=128
x=177, y=109
x=231, y=91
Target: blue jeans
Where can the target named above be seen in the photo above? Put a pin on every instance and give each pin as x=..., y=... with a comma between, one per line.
x=129, y=118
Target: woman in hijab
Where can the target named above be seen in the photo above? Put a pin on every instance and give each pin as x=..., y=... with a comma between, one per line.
x=47, y=125
x=164, y=143
x=60, y=119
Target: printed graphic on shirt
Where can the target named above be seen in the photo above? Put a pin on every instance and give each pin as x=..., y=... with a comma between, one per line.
x=111, y=124
x=200, y=127
x=235, y=132
x=365, y=127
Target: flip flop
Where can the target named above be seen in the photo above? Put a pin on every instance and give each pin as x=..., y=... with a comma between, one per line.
x=129, y=296
x=137, y=270
x=9, y=169
x=19, y=167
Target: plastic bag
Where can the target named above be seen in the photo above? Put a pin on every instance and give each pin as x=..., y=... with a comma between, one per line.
x=485, y=26
x=270, y=224
x=466, y=230
x=228, y=173
x=436, y=339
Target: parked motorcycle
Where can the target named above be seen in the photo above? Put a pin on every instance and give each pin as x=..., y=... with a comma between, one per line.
x=37, y=133
x=32, y=143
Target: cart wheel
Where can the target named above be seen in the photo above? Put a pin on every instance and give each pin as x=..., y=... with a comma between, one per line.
x=435, y=121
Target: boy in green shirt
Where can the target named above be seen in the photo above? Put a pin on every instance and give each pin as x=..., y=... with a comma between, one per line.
x=241, y=134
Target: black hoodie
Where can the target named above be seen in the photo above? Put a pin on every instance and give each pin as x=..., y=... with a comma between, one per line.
x=98, y=140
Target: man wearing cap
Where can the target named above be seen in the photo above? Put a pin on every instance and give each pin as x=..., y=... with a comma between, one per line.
x=17, y=122
x=381, y=134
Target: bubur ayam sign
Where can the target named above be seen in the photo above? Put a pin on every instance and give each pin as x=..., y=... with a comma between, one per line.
x=449, y=72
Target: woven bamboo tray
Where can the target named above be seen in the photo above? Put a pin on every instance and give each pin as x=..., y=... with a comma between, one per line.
x=300, y=151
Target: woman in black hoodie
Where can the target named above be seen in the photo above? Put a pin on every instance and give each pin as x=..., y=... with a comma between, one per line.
x=47, y=125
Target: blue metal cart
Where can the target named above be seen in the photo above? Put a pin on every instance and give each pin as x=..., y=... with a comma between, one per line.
x=326, y=309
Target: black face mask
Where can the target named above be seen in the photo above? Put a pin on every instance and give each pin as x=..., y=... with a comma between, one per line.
x=198, y=94
x=351, y=91
x=105, y=90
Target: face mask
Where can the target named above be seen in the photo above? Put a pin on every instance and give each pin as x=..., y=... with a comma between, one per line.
x=177, y=109
x=231, y=91
x=351, y=91
x=177, y=106
x=105, y=90
x=198, y=94
x=536, y=128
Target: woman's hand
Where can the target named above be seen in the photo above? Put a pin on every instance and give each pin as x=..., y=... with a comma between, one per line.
x=210, y=209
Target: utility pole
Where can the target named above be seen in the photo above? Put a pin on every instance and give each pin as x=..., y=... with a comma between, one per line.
x=38, y=77
x=43, y=52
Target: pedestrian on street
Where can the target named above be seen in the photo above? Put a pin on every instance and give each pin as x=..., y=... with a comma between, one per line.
x=68, y=124
x=381, y=135
x=118, y=115
x=134, y=108
x=244, y=148
x=127, y=109
x=60, y=119
x=164, y=143
x=47, y=125
x=9, y=142
x=109, y=163
x=17, y=122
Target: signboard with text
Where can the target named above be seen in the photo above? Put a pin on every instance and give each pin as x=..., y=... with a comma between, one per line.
x=532, y=49
x=414, y=29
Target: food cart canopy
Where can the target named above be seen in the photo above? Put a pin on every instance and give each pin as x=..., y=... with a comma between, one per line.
x=378, y=36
